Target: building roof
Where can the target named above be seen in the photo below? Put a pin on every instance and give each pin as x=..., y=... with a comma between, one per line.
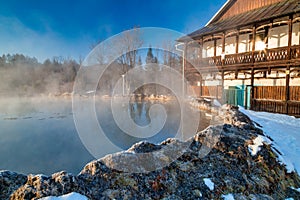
x=279, y=9
x=221, y=11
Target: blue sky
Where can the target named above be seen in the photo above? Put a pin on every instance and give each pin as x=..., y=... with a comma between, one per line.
x=44, y=28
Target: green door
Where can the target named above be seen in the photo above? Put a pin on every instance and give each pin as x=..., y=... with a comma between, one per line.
x=235, y=95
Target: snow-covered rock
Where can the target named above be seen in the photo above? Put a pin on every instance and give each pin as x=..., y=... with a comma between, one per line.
x=70, y=196
x=257, y=143
x=227, y=197
x=209, y=183
x=285, y=131
x=9, y=182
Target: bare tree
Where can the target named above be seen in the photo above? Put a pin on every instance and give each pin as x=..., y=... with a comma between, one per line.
x=168, y=52
x=127, y=48
x=99, y=53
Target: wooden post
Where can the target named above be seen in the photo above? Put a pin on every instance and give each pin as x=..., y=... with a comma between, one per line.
x=290, y=36
x=287, y=88
x=223, y=50
x=223, y=43
x=266, y=39
x=253, y=43
x=236, y=73
x=252, y=59
x=222, y=85
x=246, y=97
x=265, y=74
x=252, y=88
x=215, y=51
x=237, y=42
x=287, y=72
x=201, y=93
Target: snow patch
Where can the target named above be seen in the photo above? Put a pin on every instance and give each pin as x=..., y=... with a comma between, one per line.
x=209, y=183
x=217, y=103
x=206, y=99
x=70, y=196
x=284, y=130
x=257, y=143
x=227, y=197
x=297, y=189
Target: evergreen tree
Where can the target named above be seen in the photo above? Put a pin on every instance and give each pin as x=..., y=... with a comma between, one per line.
x=150, y=57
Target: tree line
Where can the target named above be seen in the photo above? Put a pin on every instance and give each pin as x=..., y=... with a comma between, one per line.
x=22, y=75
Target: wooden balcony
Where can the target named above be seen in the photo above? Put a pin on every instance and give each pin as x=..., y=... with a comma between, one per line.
x=267, y=57
x=280, y=99
x=295, y=52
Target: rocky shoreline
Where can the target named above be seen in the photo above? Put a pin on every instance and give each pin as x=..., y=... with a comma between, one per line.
x=230, y=167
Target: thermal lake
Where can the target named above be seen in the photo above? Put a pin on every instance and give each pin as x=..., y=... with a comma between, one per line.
x=38, y=135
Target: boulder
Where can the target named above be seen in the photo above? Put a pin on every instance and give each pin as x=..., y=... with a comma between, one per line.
x=9, y=182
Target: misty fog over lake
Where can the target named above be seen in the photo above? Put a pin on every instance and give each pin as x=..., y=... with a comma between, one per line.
x=38, y=135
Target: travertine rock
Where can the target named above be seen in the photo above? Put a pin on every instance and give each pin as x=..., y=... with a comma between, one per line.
x=227, y=163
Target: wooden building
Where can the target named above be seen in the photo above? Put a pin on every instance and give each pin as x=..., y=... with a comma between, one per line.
x=252, y=43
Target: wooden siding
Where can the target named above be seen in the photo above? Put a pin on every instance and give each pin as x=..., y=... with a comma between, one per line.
x=269, y=92
x=273, y=99
x=294, y=93
x=241, y=6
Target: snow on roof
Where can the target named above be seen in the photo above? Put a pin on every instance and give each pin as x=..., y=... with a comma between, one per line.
x=218, y=13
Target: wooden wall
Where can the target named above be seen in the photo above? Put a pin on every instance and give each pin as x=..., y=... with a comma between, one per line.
x=276, y=93
x=241, y=6
x=273, y=99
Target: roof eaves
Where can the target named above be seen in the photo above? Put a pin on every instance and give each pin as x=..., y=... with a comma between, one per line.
x=212, y=28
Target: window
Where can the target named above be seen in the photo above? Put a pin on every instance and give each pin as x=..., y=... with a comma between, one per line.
x=208, y=49
x=260, y=40
x=230, y=43
x=278, y=37
x=219, y=47
x=296, y=34
x=245, y=42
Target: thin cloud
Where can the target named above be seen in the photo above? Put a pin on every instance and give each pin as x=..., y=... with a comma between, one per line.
x=15, y=37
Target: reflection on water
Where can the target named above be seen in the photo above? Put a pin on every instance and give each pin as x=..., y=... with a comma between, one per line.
x=139, y=113
x=39, y=135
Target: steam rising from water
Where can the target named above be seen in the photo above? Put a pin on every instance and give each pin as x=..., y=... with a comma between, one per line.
x=23, y=76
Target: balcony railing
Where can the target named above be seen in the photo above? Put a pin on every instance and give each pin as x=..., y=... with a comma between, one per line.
x=212, y=61
x=267, y=55
x=295, y=52
x=239, y=58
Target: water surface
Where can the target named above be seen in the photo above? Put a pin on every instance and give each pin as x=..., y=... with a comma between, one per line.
x=39, y=136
